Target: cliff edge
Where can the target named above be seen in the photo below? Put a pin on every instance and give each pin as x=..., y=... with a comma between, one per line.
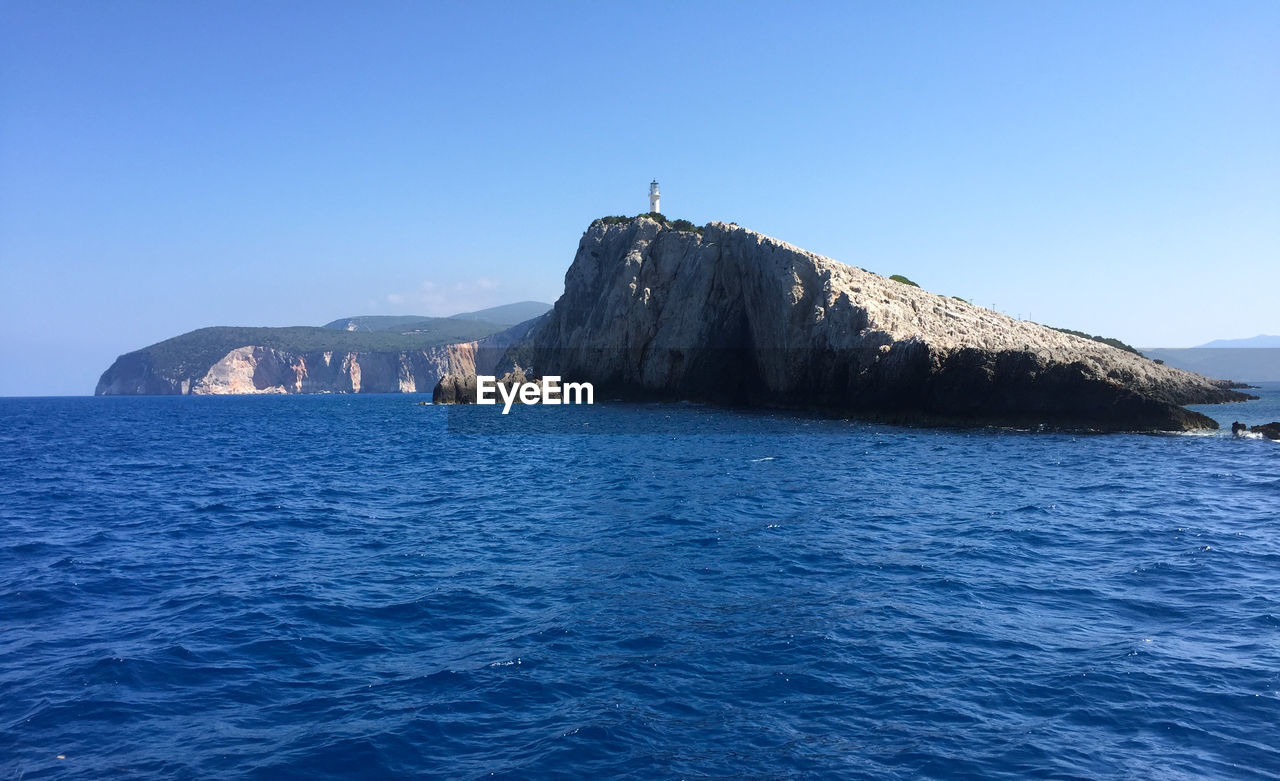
x=257, y=369
x=729, y=315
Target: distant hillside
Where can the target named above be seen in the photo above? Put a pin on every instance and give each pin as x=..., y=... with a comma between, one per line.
x=508, y=314
x=1261, y=364
x=499, y=316
x=1261, y=340
x=302, y=359
x=410, y=324
x=369, y=354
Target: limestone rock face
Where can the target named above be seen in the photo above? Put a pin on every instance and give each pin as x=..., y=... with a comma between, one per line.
x=462, y=388
x=455, y=389
x=730, y=315
x=485, y=357
x=251, y=370
x=259, y=369
x=256, y=369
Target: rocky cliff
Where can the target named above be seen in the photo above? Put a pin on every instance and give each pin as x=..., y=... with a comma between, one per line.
x=258, y=369
x=387, y=355
x=729, y=315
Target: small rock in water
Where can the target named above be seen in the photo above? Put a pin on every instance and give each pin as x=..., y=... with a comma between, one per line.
x=1268, y=430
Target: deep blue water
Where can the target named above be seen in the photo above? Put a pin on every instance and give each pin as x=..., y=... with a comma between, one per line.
x=325, y=587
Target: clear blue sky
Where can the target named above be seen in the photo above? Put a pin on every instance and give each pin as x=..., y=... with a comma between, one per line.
x=1107, y=166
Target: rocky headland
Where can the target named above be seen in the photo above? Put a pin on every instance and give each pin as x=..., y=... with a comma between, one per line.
x=255, y=369
x=352, y=355
x=723, y=314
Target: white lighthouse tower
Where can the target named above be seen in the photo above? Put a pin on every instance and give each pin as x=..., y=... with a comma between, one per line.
x=654, y=197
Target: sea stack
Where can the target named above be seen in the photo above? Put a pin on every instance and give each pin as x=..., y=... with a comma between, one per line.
x=724, y=314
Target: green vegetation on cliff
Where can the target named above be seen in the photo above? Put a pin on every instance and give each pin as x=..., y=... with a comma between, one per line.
x=677, y=225
x=507, y=314
x=1103, y=339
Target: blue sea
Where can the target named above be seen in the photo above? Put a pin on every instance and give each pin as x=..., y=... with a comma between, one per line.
x=354, y=587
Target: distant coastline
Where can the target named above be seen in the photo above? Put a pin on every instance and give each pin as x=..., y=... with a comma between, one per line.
x=1242, y=364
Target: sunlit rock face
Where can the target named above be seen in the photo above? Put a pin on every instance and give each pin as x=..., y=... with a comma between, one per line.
x=730, y=315
x=254, y=369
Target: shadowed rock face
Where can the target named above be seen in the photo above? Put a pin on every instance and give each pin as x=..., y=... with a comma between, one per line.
x=455, y=389
x=733, y=316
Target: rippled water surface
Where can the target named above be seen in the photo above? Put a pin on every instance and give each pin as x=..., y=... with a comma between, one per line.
x=323, y=587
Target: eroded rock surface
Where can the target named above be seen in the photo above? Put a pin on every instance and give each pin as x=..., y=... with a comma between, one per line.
x=255, y=369
x=1268, y=430
x=733, y=316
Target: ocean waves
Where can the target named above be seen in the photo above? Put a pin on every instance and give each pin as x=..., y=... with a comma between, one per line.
x=333, y=587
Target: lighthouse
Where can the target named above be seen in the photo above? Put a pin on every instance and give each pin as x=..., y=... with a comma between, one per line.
x=654, y=196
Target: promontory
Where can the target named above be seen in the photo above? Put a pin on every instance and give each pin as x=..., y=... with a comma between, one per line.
x=722, y=314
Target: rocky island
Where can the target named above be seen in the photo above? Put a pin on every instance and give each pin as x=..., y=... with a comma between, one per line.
x=658, y=311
